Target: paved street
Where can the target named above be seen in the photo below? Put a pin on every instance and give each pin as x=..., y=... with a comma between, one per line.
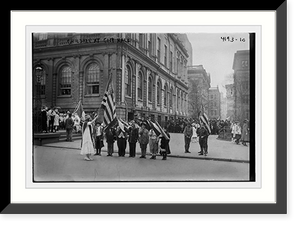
x=62, y=162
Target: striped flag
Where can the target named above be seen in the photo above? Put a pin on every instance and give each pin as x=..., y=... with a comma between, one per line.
x=108, y=104
x=158, y=129
x=162, y=131
x=79, y=109
x=204, y=120
x=123, y=124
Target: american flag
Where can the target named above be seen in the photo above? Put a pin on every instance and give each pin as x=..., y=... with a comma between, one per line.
x=108, y=104
x=204, y=120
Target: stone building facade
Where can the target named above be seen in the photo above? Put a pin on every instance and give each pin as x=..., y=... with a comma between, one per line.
x=199, y=84
x=214, y=107
x=149, y=72
x=241, y=78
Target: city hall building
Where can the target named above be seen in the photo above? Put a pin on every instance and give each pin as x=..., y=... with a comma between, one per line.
x=149, y=72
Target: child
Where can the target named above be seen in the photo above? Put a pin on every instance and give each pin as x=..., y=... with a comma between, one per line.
x=164, y=146
x=98, y=138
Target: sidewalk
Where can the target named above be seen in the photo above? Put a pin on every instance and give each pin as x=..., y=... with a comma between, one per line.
x=218, y=150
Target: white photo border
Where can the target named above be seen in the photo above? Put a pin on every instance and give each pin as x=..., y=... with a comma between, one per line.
x=157, y=186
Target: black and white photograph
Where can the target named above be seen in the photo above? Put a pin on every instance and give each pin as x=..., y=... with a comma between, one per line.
x=143, y=107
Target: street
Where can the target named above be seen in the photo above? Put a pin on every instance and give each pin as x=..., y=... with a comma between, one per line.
x=62, y=162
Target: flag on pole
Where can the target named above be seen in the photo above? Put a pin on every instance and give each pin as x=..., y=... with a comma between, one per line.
x=123, y=124
x=108, y=104
x=79, y=109
x=164, y=134
x=158, y=129
x=204, y=120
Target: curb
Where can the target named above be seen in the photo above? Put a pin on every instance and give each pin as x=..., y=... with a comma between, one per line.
x=172, y=156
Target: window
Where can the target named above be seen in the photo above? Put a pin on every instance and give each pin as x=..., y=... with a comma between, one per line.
x=140, y=86
x=244, y=64
x=65, y=81
x=171, y=97
x=40, y=74
x=165, y=95
x=92, y=79
x=150, y=85
x=171, y=61
x=141, y=41
x=178, y=100
x=165, y=56
x=158, y=49
x=158, y=93
x=128, y=76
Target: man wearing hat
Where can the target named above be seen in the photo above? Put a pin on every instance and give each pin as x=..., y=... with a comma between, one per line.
x=143, y=139
x=203, y=135
x=188, y=132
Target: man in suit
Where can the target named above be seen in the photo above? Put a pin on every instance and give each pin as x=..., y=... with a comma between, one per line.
x=132, y=139
x=143, y=139
x=121, y=141
x=188, y=132
x=203, y=135
x=69, y=127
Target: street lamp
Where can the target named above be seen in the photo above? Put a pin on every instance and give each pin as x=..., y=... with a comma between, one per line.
x=38, y=74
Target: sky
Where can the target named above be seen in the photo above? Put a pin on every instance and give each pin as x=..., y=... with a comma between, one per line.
x=217, y=55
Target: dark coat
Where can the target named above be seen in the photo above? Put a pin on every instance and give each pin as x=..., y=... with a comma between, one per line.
x=111, y=135
x=133, y=135
x=69, y=123
x=202, y=133
x=164, y=144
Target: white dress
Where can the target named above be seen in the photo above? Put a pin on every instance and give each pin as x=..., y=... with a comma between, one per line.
x=87, y=146
x=194, y=136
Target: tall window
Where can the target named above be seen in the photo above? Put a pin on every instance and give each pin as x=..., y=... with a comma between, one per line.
x=165, y=94
x=171, y=97
x=158, y=93
x=92, y=79
x=65, y=80
x=140, y=86
x=150, y=86
x=141, y=41
x=171, y=61
x=150, y=44
x=165, y=56
x=178, y=100
x=158, y=49
x=128, y=76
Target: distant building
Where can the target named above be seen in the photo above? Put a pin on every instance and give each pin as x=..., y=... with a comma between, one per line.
x=230, y=101
x=214, y=100
x=223, y=106
x=241, y=78
x=199, y=84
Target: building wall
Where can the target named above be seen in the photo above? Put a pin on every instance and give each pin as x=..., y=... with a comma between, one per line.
x=199, y=84
x=214, y=110
x=242, y=85
x=136, y=54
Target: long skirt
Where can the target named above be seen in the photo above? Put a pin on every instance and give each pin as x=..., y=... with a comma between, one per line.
x=87, y=143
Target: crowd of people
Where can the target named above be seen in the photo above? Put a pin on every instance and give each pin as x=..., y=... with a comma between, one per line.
x=94, y=134
x=53, y=120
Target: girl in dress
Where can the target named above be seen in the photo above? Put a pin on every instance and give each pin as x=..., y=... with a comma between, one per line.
x=87, y=145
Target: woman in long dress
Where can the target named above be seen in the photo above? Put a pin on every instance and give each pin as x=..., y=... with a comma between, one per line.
x=194, y=136
x=87, y=145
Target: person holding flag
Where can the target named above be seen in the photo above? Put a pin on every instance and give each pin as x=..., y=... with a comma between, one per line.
x=203, y=134
x=87, y=144
x=164, y=144
x=153, y=143
x=133, y=135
